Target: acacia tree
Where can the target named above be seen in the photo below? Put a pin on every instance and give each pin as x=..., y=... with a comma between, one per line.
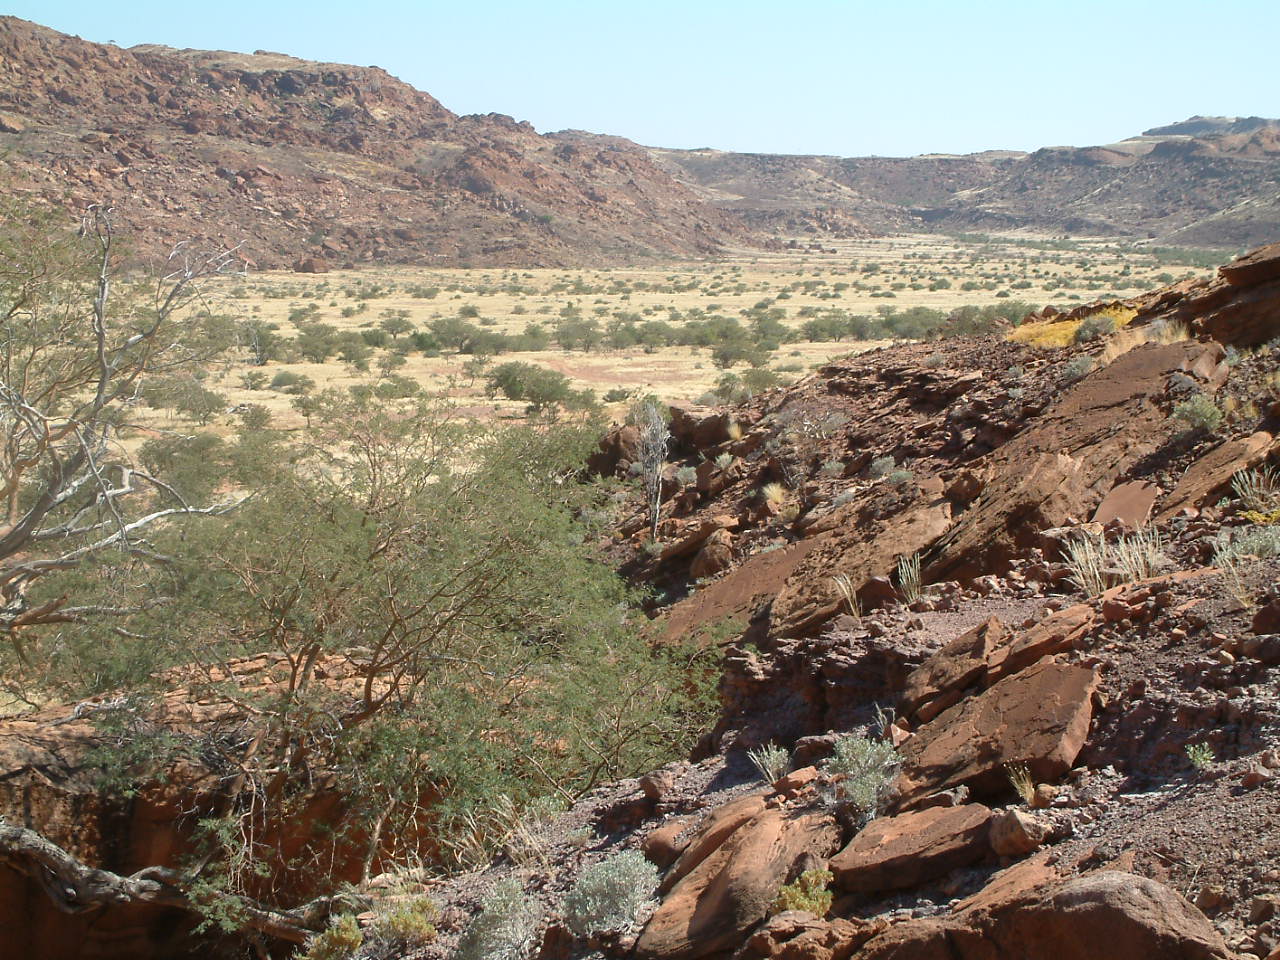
x=74, y=355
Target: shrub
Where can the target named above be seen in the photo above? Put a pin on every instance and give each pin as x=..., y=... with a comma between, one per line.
x=1094, y=326
x=724, y=461
x=1077, y=367
x=771, y=761
x=811, y=892
x=833, y=468
x=339, y=941
x=1199, y=413
x=867, y=767
x=1200, y=755
x=774, y=493
x=1140, y=555
x=881, y=467
x=686, y=475
x=608, y=894
x=406, y=926
x=505, y=928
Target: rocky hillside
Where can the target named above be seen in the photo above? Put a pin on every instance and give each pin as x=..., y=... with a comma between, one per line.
x=1084, y=764
x=1005, y=617
x=1205, y=182
x=301, y=159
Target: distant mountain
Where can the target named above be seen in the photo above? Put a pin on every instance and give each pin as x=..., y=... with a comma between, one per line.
x=1209, y=181
x=305, y=159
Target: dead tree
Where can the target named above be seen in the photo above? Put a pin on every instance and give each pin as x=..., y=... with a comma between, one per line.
x=655, y=438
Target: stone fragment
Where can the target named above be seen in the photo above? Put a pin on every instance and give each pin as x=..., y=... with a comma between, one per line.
x=903, y=851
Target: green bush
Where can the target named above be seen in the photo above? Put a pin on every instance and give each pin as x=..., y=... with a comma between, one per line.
x=1093, y=327
x=1199, y=413
x=608, y=894
x=406, y=926
x=341, y=940
x=810, y=892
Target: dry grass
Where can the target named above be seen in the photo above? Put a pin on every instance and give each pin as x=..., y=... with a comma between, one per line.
x=861, y=277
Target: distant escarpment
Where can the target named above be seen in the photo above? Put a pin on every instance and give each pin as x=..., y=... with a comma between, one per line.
x=299, y=159
x=1204, y=182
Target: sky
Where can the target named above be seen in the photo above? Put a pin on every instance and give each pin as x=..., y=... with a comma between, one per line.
x=846, y=78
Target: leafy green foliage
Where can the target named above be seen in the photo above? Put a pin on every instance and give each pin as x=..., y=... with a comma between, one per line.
x=866, y=768
x=810, y=892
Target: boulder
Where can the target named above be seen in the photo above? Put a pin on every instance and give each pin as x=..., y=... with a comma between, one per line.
x=896, y=853
x=718, y=901
x=1259, y=266
x=796, y=935
x=1023, y=915
x=1209, y=477
x=715, y=556
x=713, y=832
x=311, y=265
x=1039, y=717
x=1016, y=833
x=1130, y=503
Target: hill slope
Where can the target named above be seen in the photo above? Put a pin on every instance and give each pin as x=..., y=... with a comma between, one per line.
x=1207, y=181
x=301, y=158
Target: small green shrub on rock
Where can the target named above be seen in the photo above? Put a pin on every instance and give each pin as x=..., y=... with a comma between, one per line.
x=341, y=940
x=1199, y=413
x=866, y=768
x=811, y=892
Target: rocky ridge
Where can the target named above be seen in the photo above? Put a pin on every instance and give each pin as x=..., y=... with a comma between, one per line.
x=301, y=160
x=1207, y=182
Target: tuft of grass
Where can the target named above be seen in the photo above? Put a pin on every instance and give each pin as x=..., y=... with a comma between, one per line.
x=848, y=594
x=734, y=430
x=771, y=761
x=774, y=493
x=1021, y=780
x=724, y=461
x=909, y=577
x=1140, y=555
x=608, y=894
x=811, y=892
x=1257, y=489
x=1087, y=559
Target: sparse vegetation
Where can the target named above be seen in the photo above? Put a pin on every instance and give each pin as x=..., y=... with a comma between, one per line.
x=811, y=892
x=1020, y=779
x=505, y=928
x=1199, y=413
x=909, y=577
x=608, y=894
x=771, y=761
x=865, y=768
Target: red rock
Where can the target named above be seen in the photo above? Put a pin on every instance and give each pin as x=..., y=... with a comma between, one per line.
x=1039, y=717
x=896, y=853
x=1023, y=915
x=1015, y=833
x=311, y=265
x=663, y=846
x=1209, y=477
x=941, y=680
x=796, y=780
x=713, y=906
x=713, y=832
x=715, y=556
x=1258, y=266
x=1130, y=503
x=795, y=935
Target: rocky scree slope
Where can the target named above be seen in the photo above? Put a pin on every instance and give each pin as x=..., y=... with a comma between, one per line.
x=1080, y=773
x=330, y=162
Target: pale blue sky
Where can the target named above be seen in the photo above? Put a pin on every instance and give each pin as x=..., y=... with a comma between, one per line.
x=849, y=78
